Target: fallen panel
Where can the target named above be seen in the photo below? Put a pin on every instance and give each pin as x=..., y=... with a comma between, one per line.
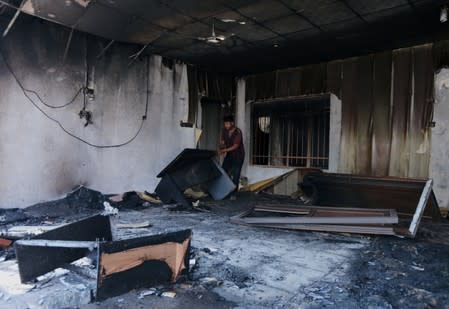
x=316, y=218
x=306, y=209
x=343, y=190
x=372, y=230
x=129, y=264
x=37, y=258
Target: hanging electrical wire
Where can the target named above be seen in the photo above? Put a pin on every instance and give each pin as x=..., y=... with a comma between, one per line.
x=53, y=106
x=26, y=94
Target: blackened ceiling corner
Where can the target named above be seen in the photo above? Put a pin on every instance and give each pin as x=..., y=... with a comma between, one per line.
x=260, y=35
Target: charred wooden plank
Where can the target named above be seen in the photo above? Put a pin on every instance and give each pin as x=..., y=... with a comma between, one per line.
x=140, y=262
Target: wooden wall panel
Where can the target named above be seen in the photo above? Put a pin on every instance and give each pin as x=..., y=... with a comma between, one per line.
x=348, y=117
x=419, y=135
x=387, y=104
x=363, y=88
x=402, y=102
x=381, y=138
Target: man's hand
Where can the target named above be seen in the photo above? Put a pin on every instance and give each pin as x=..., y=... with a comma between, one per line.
x=221, y=151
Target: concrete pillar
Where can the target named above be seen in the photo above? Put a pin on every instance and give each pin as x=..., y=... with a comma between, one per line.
x=439, y=155
x=335, y=133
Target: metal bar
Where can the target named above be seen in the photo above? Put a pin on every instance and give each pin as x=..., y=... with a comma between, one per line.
x=67, y=46
x=13, y=20
x=136, y=55
x=309, y=143
x=103, y=51
x=58, y=243
x=51, y=250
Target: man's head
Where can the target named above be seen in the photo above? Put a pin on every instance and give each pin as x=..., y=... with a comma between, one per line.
x=228, y=122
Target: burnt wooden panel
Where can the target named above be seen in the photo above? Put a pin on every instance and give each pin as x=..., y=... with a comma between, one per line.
x=440, y=51
x=362, y=87
x=419, y=134
x=314, y=79
x=381, y=114
x=36, y=260
x=148, y=273
x=372, y=192
x=334, y=78
x=402, y=87
x=386, y=106
x=288, y=83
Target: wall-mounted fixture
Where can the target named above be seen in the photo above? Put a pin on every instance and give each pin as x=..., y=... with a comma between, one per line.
x=443, y=14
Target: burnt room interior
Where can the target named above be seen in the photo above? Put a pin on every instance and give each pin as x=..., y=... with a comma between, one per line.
x=224, y=154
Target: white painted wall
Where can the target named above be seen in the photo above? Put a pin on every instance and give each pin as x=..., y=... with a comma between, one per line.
x=334, y=134
x=39, y=162
x=439, y=157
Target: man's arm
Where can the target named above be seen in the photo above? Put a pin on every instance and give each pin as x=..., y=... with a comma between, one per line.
x=237, y=142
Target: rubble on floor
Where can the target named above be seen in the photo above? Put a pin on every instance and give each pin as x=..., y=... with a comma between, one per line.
x=122, y=264
x=239, y=266
x=359, y=204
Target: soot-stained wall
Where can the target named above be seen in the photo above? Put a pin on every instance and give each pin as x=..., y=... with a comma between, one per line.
x=39, y=161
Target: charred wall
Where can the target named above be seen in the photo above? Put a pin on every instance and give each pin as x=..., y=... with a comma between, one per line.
x=38, y=160
x=387, y=103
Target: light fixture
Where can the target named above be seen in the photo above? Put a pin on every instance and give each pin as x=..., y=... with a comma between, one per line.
x=275, y=45
x=443, y=14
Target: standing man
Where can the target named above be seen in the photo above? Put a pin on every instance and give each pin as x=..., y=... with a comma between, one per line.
x=231, y=144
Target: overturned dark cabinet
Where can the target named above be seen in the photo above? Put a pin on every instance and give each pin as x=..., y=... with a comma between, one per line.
x=190, y=168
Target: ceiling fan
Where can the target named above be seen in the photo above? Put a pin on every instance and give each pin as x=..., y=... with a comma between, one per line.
x=213, y=39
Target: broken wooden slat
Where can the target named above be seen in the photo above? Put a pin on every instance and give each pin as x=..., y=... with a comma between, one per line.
x=326, y=211
x=324, y=207
x=321, y=220
x=287, y=211
x=373, y=230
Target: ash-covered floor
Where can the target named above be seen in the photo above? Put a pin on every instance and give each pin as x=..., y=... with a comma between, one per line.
x=245, y=267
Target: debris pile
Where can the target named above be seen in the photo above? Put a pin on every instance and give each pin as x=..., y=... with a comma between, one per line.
x=122, y=264
x=351, y=204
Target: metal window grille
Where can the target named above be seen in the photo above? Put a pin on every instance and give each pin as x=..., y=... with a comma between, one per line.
x=292, y=133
